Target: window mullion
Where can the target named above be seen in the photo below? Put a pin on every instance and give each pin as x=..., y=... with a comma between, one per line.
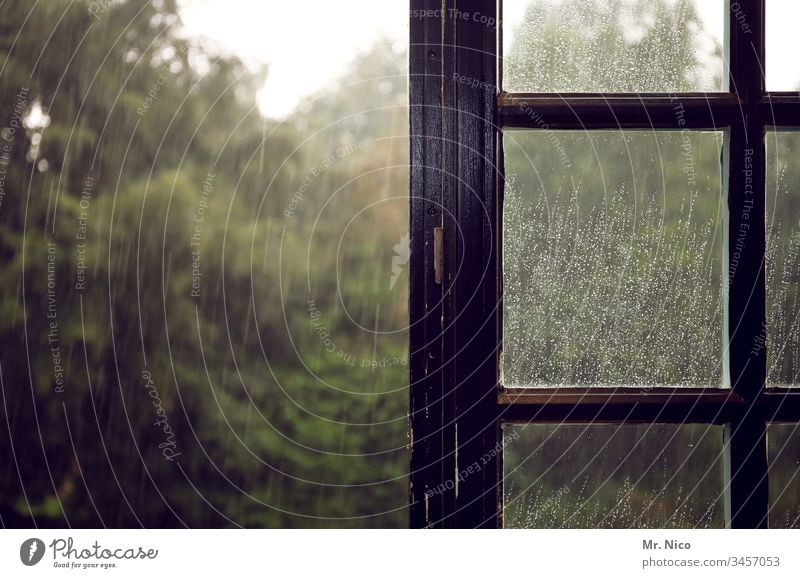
x=747, y=496
x=454, y=338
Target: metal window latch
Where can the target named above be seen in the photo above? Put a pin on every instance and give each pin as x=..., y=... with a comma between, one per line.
x=438, y=249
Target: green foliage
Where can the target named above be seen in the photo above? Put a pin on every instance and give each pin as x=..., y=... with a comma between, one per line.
x=783, y=259
x=615, y=476
x=153, y=164
x=614, y=261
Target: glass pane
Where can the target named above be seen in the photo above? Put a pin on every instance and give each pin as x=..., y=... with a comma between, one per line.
x=783, y=259
x=622, y=46
x=613, y=476
x=784, y=475
x=612, y=256
x=782, y=45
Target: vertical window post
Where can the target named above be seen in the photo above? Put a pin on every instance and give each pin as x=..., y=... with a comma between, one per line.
x=747, y=494
x=454, y=178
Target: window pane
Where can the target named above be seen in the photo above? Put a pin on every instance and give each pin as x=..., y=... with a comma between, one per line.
x=782, y=45
x=613, y=476
x=613, y=245
x=628, y=46
x=784, y=475
x=783, y=259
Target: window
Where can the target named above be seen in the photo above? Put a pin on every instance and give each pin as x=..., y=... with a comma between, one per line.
x=604, y=237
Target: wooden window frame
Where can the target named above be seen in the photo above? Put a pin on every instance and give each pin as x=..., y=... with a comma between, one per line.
x=457, y=403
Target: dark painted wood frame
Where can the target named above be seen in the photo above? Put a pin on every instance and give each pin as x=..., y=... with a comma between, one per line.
x=457, y=402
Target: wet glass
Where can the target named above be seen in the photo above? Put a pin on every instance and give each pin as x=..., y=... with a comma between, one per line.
x=784, y=475
x=627, y=46
x=613, y=476
x=783, y=260
x=613, y=251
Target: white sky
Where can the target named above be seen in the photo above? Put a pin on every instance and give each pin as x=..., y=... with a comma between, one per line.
x=309, y=42
x=783, y=45
x=306, y=43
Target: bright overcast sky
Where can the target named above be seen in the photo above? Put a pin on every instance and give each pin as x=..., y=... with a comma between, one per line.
x=305, y=42
x=308, y=42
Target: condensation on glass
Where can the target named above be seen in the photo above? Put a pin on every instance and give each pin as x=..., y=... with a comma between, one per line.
x=784, y=475
x=623, y=46
x=782, y=45
x=783, y=259
x=613, y=247
x=613, y=476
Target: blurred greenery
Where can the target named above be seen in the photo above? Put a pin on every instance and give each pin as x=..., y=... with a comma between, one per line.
x=783, y=258
x=613, y=46
x=190, y=237
x=613, y=262
x=614, y=476
x=784, y=475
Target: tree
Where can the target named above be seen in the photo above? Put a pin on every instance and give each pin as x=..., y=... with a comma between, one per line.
x=176, y=387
